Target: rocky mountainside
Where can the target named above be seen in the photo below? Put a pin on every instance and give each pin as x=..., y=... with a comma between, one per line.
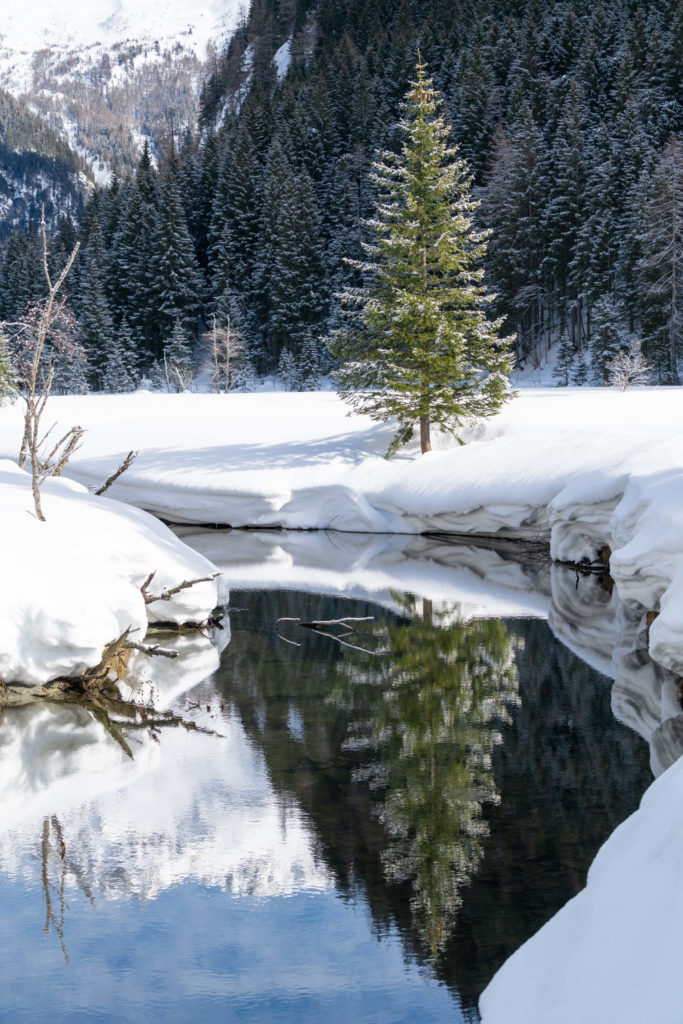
x=107, y=74
x=37, y=168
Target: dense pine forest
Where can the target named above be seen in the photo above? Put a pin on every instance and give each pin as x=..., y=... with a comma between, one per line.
x=569, y=114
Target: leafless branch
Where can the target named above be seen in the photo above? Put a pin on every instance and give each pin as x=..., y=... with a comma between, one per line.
x=127, y=462
x=166, y=595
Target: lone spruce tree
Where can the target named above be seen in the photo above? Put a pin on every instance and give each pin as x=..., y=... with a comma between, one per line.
x=415, y=342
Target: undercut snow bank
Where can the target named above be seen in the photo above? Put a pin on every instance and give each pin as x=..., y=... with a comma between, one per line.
x=71, y=585
x=584, y=466
x=610, y=956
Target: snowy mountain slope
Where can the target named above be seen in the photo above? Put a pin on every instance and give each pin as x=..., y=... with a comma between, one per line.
x=37, y=168
x=110, y=72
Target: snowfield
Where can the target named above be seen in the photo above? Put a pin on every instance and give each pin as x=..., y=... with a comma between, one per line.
x=584, y=467
x=71, y=585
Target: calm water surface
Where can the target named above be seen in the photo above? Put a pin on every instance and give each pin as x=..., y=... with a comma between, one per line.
x=322, y=833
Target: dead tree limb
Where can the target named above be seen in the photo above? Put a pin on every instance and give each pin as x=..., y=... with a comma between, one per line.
x=166, y=595
x=127, y=462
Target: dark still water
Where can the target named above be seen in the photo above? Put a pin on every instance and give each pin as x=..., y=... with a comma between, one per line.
x=325, y=832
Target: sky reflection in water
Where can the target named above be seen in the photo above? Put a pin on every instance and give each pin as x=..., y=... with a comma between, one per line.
x=349, y=847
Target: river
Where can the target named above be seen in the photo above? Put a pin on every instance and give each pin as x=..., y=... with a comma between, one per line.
x=346, y=823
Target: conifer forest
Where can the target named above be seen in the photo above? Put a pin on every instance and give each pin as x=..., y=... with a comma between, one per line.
x=570, y=118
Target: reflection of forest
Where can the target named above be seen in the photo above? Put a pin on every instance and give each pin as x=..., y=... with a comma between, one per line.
x=395, y=760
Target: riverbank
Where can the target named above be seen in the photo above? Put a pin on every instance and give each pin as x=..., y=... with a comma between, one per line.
x=73, y=584
x=588, y=469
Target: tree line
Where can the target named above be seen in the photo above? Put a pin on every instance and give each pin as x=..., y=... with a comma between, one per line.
x=568, y=114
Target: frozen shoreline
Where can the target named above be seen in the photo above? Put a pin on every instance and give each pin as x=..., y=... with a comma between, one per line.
x=71, y=585
x=587, y=467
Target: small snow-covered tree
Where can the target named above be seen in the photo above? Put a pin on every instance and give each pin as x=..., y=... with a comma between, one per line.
x=581, y=373
x=178, y=359
x=116, y=378
x=70, y=371
x=227, y=351
x=608, y=338
x=566, y=357
x=629, y=368
x=416, y=343
x=309, y=364
x=288, y=371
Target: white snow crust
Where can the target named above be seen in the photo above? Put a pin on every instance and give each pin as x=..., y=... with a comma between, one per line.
x=71, y=585
x=610, y=956
x=586, y=467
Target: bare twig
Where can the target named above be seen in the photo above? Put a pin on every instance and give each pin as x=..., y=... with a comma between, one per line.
x=166, y=595
x=127, y=462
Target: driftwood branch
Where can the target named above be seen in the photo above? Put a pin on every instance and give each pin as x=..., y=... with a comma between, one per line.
x=167, y=594
x=127, y=462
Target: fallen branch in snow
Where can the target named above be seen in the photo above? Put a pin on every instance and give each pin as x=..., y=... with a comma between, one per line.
x=323, y=627
x=127, y=462
x=166, y=595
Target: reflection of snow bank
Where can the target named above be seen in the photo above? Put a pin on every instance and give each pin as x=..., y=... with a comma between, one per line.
x=592, y=466
x=373, y=567
x=610, y=956
x=71, y=585
x=190, y=807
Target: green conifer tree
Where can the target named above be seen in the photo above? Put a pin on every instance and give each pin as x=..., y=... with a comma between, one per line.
x=417, y=343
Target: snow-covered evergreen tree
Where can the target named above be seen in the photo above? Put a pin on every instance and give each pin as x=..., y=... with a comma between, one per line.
x=288, y=371
x=565, y=363
x=116, y=378
x=70, y=372
x=177, y=278
x=661, y=267
x=608, y=338
x=178, y=358
x=418, y=344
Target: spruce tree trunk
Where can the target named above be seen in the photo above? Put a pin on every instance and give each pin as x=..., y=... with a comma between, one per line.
x=425, y=436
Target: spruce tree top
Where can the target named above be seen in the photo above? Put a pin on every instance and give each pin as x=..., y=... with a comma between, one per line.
x=416, y=343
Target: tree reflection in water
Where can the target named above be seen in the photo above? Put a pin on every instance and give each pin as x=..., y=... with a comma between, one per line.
x=428, y=718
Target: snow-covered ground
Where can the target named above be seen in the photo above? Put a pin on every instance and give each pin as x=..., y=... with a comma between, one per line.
x=610, y=956
x=71, y=585
x=586, y=467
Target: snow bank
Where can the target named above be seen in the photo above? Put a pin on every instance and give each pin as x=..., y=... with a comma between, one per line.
x=71, y=585
x=610, y=956
x=585, y=466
